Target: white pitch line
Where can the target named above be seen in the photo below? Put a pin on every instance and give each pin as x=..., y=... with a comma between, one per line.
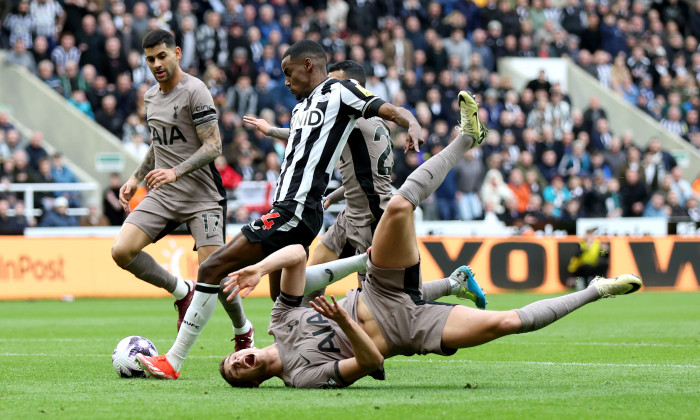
x=502, y=342
x=541, y=363
x=417, y=360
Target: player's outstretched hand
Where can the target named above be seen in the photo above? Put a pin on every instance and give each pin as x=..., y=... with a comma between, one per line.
x=259, y=123
x=242, y=281
x=159, y=177
x=331, y=311
x=126, y=193
x=415, y=140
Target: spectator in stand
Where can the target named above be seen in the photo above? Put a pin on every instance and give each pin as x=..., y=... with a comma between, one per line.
x=242, y=97
x=22, y=173
x=470, y=173
x=656, y=207
x=601, y=136
x=9, y=225
x=113, y=61
x=680, y=186
x=109, y=116
x=634, y=194
x=576, y=162
x=661, y=156
x=245, y=168
x=212, y=41
x=677, y=212
x=57, y=216
x=46, y=74
x=79, y=100
x=40, y=51
x=20, y=24
x=90, y=42
x=495, y=191
x=110, y=201
x=35, y=149
x=521, y=190
x=72, y=79
x=229, y=177
x=20, y=57
x=63, y=53
x=94, y=217
x=557, y=194
x=137, y=146
x=125, y=94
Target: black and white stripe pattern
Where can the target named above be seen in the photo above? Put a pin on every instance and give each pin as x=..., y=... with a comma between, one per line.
x=320, y=127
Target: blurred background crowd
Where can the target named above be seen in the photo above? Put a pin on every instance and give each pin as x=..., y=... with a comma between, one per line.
x=543, y=161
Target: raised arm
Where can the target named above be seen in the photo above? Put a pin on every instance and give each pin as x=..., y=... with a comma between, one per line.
x=290, y=259
x=403, y=118
x=127, y=191
x=367, y=356
x=208, y=134
x=264, y=127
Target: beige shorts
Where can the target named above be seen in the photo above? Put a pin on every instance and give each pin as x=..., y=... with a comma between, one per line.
x=345, y=239
x=409, y=324
x=205, y=220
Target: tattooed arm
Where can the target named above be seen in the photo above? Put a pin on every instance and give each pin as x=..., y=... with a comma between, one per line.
x=208, y=134
x=127, y=191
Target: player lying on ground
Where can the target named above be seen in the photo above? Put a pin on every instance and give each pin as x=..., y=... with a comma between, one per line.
x=335, y=344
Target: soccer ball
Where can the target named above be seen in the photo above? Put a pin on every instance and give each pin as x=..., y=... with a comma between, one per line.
x=124, y=356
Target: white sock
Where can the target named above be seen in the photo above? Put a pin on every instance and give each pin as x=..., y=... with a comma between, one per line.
x=182, y=288
x=321, y=275
x=244, y=329
x=199, y=312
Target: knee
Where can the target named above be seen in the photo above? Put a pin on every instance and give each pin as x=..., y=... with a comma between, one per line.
x=208, y=272
x=398, y=205
x=509, y=323
x=122, y=255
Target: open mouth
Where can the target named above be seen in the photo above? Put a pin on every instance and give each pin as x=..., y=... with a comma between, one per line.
x=249, y=360
x=160, y=73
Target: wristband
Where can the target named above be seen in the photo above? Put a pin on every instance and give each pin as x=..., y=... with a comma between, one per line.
x=176, y=177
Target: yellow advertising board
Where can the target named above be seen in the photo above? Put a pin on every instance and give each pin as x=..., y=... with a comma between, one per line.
x=50, y=268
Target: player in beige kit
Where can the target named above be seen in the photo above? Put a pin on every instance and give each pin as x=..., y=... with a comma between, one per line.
x=179, y=171
x=332, y=345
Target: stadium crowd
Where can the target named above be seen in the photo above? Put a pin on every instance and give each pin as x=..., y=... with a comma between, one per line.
x=543, y=160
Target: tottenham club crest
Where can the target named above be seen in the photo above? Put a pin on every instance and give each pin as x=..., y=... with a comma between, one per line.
x=175, y=107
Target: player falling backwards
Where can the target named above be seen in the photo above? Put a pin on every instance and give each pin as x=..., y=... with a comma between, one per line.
x=334, y=344
x=185, y=187
x=320, y=126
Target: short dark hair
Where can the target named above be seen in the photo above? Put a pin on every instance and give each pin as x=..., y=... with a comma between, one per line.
x=352, y=69
x=308, y=48
x=157, y=37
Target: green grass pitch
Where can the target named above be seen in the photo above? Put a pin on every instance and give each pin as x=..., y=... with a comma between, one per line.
x=631, y=357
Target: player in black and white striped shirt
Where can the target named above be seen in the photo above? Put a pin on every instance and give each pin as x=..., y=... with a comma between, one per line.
x=320, y=126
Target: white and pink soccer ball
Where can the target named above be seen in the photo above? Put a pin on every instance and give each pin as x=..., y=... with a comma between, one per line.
x=124, y=356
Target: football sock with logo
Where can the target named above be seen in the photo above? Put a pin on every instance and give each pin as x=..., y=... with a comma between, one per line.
x=321, y=275
x=543, y=312
x=199, y=312
x=147, y=269
x=427, y=178
x=433, y=290
x=234, y=310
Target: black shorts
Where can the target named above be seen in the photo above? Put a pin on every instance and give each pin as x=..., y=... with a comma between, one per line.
x=280, y=227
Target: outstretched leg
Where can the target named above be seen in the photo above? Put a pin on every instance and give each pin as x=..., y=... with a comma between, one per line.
x=236, y=254
x=467, y=327
x=394, y=244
